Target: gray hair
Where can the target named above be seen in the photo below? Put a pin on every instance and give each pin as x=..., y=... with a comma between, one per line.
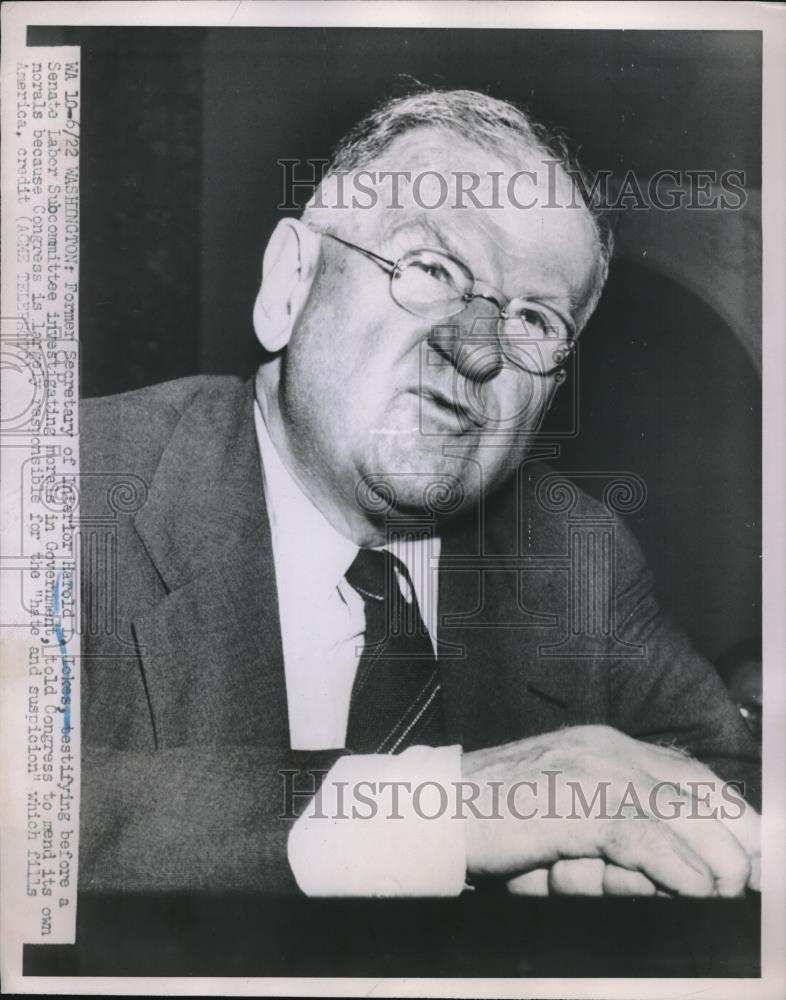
x=487, y=122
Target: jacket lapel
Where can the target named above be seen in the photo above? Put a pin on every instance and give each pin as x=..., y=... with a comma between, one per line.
x=212, y=648
x=496, y=685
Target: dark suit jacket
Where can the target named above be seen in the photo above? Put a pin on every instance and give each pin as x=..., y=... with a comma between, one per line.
x=184, y=712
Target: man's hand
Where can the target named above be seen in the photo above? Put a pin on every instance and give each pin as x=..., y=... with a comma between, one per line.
x=589, y=810
x=583, y=877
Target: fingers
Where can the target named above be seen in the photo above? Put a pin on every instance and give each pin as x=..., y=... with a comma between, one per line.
x=714, y=820
x=534, y=883
x=649, y=846
x=581, y=877
x=621, y=882
x=577, y=877
x=706, y=795
x=594, y=877
x=721, y=851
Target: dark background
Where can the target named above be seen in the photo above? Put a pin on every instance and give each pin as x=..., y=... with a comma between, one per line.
x=182, y=130
x=493, y=935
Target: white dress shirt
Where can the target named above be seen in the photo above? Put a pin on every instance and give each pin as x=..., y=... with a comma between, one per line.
x=322, y=625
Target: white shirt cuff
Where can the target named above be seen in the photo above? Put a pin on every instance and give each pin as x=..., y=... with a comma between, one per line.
x=383, y=825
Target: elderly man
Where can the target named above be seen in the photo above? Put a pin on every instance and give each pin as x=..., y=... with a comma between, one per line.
x=356, y=575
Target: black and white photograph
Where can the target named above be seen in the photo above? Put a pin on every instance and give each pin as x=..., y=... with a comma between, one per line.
x=392, y=530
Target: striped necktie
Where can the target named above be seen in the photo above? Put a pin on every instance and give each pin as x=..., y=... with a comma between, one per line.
x=396, y=697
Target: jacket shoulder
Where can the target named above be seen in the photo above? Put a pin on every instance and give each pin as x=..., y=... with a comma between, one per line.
x=133, y=428
x=540, y=505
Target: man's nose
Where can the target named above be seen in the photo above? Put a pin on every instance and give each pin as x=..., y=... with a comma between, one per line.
x=470, y=341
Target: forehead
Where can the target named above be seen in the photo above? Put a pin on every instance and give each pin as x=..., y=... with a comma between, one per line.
x=511, y=221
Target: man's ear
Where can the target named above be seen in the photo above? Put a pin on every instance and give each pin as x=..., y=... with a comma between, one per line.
x=288, y=269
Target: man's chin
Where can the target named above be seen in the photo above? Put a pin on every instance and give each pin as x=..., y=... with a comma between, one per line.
x=417, y=476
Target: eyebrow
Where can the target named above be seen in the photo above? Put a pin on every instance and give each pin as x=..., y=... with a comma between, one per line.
x=425, y=226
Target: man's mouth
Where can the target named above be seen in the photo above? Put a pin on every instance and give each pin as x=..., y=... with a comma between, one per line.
x=464, y=415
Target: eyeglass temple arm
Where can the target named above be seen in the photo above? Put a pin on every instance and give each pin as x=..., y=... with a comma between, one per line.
x=388, y=264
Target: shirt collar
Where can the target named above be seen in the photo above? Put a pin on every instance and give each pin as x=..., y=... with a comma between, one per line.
x=309, y=552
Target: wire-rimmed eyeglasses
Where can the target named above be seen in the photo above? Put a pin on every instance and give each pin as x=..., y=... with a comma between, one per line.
x=433, y=284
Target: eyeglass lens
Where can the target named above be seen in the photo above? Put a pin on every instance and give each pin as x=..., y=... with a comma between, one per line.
x=435, y=286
